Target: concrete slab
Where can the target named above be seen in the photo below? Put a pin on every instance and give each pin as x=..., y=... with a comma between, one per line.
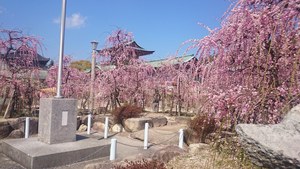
x=34, y=154
x=6, y=163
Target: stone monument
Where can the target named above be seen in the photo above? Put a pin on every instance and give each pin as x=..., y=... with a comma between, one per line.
x=57, y=120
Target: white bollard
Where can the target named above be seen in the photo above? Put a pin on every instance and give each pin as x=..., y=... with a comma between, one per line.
x=180, y=138
x=27, y=127
x=106, y=127
x=146, y=136
x=89, y=124
x=113, y=149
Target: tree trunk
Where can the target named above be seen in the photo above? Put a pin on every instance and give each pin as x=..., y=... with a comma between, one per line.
x=143, y=101
x=163, y=104
x=4, y=100
x=113, y=103
x=106, y=107
x=179, y=97
x=172, y=103
x=9, y=108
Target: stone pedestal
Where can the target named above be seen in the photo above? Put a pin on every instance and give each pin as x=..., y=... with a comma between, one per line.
x=57, y=120
x=33, y=154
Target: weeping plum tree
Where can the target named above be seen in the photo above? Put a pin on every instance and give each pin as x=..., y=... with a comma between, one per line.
x=176, y=83
x=74, y=82
x=19, y=70
x=128, y=78
x=249, y=68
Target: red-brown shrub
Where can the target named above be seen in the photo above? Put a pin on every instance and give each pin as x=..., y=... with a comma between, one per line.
x=203, y=125
x=125, y=112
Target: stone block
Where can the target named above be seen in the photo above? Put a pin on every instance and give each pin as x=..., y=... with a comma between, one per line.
x=159, y=121
x=57, y=120
x=137, y=124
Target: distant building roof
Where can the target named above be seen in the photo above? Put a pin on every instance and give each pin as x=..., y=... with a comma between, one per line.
x=102, y=67
x=39, y=61
x=137, y=49
x=154, y=63
x=106, y=67
x=171, y=61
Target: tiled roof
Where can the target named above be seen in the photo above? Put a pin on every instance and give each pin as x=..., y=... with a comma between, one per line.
x=171, y=61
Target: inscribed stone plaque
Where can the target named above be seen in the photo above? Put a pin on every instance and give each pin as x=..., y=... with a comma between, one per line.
x=64, y=119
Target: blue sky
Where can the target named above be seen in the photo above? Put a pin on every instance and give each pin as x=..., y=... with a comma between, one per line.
x=160, y=25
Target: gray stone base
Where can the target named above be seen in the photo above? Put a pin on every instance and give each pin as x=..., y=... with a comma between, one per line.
x=34, y=154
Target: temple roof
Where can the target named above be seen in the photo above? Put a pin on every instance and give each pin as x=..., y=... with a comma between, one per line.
x=154, y=63
x=39, y=61
x=171, y=61
x=138, y=50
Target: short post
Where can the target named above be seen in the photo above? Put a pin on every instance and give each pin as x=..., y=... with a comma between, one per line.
x=106, y=128
x=180, y=138
x=113, y=149
x=89, y=124
x=27, y=127
x=146, y=136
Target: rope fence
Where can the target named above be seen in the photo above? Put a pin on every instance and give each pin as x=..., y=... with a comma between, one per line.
x=178, y=134
x=114, y=142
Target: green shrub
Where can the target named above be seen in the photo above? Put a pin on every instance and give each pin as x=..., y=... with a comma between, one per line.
x=125, y=112
x=142, y=164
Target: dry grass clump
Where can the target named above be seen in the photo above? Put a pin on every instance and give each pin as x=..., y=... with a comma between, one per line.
x=142, y=164
x=212, y=159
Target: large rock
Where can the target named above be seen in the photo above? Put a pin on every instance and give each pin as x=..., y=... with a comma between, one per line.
x=5, y=129
x=82, y=128
x=19, y=124
x=101, y=118
x=166, y=135
x=273, y=146
x=98, y=126
x=117, y=128
x=159, y=121
x=136, y=124
x=16, y=134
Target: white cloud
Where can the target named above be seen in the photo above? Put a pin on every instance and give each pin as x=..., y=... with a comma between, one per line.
x=74, y=21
